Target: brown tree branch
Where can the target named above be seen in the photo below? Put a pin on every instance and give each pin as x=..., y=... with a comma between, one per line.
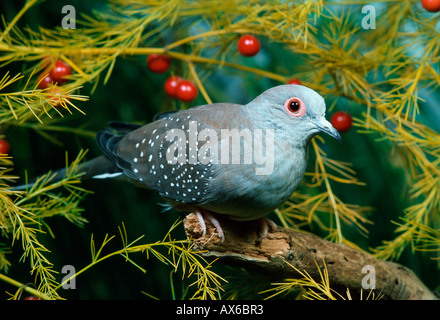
x=303, y=251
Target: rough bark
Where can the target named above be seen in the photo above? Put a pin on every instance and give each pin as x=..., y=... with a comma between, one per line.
x=303, y=250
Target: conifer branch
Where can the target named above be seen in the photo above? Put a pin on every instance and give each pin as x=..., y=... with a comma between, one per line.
x=285, y=252
x=22, y=217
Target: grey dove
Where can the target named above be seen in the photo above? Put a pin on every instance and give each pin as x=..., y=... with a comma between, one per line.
x=237, y=161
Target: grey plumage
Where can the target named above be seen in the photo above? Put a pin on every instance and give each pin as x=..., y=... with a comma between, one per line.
x=222, y=186
x=191, y=159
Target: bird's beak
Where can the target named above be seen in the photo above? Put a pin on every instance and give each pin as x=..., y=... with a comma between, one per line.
x=323, y=125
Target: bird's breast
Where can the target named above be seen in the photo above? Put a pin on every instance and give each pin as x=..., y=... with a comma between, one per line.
x=250, y=191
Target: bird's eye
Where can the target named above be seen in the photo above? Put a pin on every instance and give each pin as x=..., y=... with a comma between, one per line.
x=295, y=106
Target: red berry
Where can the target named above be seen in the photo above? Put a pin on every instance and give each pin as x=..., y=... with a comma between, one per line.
x=294, y=81
x=248, y=45
x=170, y=85
x=45, y=80
x=431, y=5
x=186, y=91
x=158, y=63
x=341, y=121
x=59, y=71
x=4, y=147
x=32, y=298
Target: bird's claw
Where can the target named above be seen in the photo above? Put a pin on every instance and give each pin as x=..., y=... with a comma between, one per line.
x=201, y=215
x=201, y=222
x=266, y=225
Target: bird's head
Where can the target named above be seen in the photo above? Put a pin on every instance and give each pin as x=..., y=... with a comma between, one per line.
x=296, y=109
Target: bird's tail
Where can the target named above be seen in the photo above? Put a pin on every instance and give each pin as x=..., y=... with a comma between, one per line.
x=97, y=168
x=102, y=167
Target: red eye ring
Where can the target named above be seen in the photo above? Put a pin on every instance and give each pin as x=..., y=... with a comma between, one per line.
x=295, y=106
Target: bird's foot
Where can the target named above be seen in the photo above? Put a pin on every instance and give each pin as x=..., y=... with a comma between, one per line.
x=201, y=215
x=266, y=225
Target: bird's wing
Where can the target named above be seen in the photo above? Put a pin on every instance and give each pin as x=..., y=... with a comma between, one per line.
x=152, y=154
x=108, y=139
